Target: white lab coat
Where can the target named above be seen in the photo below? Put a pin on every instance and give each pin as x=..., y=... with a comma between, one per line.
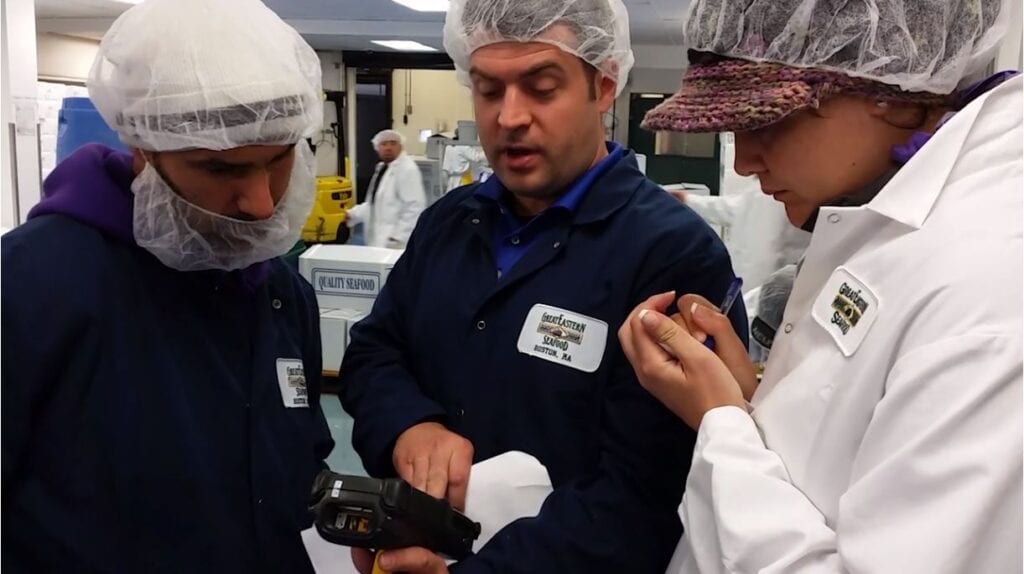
x=397, y=205
x=458, y=159
x=905, y=455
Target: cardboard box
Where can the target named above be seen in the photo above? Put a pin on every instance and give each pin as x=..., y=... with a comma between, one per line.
x=333, y=339
x=353, y=316
x=347, y=276
x=335, y=329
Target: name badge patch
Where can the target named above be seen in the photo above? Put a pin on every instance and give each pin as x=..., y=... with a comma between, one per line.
x=846, y=308
x=291, y=377
x=564, y=337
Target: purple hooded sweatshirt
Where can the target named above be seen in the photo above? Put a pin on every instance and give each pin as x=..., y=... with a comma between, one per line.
x=93, y=186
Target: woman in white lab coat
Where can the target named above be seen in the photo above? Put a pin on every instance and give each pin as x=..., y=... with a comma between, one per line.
x=395, y=198
x=886, y=435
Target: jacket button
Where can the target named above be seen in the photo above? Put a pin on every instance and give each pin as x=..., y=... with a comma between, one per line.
x=481, y=325
x=476, y=221
x=834, y=218
x=789, y=328
x=460, y=412
x=276, y=304
x=557, y=244
x=515, y=240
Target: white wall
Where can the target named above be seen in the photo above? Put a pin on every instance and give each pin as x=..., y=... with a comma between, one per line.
x=658, y=70
x=20, y=181
x=1011, y=53
x=655, y=81
x=65, y=58
x=7, y=202
x=332, y=68
x=350, y=123
x=438, y=101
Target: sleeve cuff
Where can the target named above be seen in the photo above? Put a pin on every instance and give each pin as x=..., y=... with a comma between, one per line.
x=728, y=421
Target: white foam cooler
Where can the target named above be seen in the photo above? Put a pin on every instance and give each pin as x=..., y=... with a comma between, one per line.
x=347, y=276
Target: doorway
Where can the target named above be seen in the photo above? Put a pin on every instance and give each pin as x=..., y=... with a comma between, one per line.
x=373, y=100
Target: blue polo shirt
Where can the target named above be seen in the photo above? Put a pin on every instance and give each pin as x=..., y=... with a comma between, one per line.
x=513, y=235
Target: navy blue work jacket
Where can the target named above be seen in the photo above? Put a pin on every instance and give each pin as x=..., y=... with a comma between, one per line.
x=144, y=428
x=442, y=345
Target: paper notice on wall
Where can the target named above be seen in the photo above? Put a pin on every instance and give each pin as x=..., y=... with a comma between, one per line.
x=25, y=116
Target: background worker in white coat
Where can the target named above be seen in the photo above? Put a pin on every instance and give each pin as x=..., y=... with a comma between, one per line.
x=886, y=435
x=395, y=198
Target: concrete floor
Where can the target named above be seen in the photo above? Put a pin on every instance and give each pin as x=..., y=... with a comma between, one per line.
x=343, y=458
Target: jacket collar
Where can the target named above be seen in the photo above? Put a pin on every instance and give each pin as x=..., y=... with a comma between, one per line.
x=608, y=193
x=912, y=193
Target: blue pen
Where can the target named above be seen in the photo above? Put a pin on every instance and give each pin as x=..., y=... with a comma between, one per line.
x=731, y=295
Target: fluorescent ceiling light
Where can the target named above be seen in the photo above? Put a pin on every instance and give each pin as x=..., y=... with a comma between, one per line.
x=425, y=5
x=404, y=45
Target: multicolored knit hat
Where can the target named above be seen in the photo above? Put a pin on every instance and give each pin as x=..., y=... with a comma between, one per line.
x=721, y=94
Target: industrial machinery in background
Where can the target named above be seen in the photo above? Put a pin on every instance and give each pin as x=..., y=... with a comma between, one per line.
x=335, y=194
x=327, y=220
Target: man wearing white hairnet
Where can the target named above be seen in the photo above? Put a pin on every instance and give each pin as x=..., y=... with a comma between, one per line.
x=395, y=198
x=161, y=367
x=496, y=330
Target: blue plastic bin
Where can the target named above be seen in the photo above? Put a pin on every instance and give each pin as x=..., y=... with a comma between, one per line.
x=79, y=123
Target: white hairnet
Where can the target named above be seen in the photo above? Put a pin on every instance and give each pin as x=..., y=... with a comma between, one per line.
x=918, y=45
x=387, y=136
x=208, y=74
x=600, y=29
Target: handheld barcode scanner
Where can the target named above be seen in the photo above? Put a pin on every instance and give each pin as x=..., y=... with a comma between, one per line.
x=384, y=514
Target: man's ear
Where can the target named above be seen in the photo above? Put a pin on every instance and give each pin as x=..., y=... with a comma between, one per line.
x=138, y=160
x=606, y=88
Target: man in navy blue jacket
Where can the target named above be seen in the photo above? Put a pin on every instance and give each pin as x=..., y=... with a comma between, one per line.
x=161, y=372
x=496, y=329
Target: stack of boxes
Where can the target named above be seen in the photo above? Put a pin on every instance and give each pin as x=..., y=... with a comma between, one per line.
x=347, y=280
